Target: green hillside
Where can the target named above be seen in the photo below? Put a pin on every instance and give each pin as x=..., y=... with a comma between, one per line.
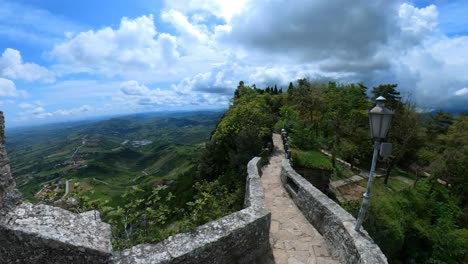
x=108, y=157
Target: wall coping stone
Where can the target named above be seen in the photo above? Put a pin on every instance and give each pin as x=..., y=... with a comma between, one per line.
x=61, y=225
x=46, y=234
x=334, y=223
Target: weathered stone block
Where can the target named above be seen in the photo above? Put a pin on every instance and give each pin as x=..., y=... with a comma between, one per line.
x=45, y=234
x=331, y=220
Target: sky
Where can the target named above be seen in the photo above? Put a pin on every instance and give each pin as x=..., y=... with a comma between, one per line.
x=67, y=60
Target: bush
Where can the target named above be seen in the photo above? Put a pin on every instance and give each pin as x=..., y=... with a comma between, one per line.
x=416, y=225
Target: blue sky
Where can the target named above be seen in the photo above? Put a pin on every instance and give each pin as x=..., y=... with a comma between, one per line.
x=67, y=60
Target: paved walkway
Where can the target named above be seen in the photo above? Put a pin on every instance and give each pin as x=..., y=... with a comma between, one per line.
x=293, y=239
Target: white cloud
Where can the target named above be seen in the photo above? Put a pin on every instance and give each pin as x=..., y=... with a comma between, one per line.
x=461, y=92
x=33, y=111
x=38, y=111
x=73, y=111
x=371, y=42
x=434, y=71
x=140, y=94
x=12, y=66
x=182, y=24
x=8, y=89
x=418, y=20
x=212, y=45
x=219, y=8
x=417, y=23
x=134, y=88
x=134, y=49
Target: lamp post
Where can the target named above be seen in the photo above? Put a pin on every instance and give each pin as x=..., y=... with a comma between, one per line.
x=379, y=120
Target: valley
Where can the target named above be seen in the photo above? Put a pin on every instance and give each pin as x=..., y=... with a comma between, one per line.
x=103, y=159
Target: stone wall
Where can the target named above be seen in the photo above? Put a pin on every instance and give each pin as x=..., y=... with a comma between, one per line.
x=241, y=237
x=9, y=195
x=45, y=234
x=334, y=223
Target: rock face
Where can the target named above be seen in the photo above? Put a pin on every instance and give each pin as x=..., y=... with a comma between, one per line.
x=9, y=195
x=333, y=222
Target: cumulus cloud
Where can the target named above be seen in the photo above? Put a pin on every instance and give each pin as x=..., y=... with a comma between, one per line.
x=132, y=48
x=38, y=111
x=220, y=80
x=461, y=92
x=435, y=71
x=134, y=88
x=144, y=96
x=362, y=41
x=210, y=45
x=417, y=23
x=315, y=30
x=12, y=66
x=200, y=8
x=183, y=25
x=8, y=89
x=33, y=111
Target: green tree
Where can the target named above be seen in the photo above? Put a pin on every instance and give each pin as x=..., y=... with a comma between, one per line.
x=452, y=164
x=406, y=137
x=404, y=132
x=391, y=94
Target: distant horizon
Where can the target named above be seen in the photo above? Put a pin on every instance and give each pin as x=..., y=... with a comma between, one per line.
x=108, y=117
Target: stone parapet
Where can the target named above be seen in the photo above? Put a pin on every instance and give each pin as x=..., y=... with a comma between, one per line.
x=334, y=223
x=241, y=237
x=46, y=234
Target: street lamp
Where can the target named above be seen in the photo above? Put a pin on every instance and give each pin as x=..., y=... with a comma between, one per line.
x=379, y=119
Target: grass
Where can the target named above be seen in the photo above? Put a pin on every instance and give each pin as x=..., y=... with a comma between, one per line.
x=316, y=159
x=37, y=153
x=379, y=187
x=342, y=172
x=311, y=159
x=399, y=172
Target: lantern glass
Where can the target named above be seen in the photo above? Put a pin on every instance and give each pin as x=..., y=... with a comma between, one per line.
x=380, y=118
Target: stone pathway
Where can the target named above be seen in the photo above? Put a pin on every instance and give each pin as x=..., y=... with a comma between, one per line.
x=293, y=239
